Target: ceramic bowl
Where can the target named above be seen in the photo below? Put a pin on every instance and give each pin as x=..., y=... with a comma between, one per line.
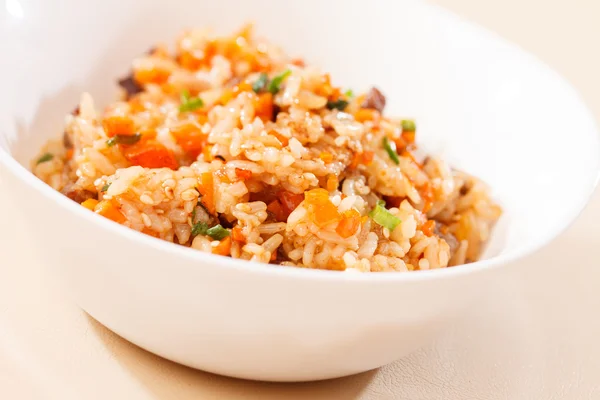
x=482, y=103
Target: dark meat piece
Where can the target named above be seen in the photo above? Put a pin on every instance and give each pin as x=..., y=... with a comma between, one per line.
x=76, y=194
x=75, y=111
x=448, y=237
x=67, y=141
x=130, y=86
x=276, y=111
x=374, y=99
x=224, y=222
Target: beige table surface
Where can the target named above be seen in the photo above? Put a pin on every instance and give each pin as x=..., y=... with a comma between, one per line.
x=535, y=337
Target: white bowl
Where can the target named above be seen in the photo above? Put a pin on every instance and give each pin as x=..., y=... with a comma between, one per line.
x=490, y=108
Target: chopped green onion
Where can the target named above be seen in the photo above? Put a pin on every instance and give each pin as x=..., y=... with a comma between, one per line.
x=349, y=93
x=44, y=158
x=260, y=83
x=217, y=232
x=123, y=139
x=390, y=147
x=408, y=125
x=384, y=218
x=199, y=229
x=381, y=202
x=189, y=103
x=275, y=85
x=339, y=104
x=105, y=187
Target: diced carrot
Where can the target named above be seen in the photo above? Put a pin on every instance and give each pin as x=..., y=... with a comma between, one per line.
x=349, y=224
x=325, y=214
x=326, y=156
x=332, y=183
x=290, y=201
x=226, y=96
x=206, y=187
x=322, y=210
x=109, y=210
x=150, y=154
x=409, y=137
x=207, y=152
x=242, y=87
x=367, y=157
x=367, y=114
x=298, y=62
x=263, y=106
x=190, y=138
x=237, y=235
x=364, y=158
x=118, y=125
x=325, y=88
x=150, y=232
x=190, y=60
x=151, y=75
x=69, y=154
x=277, y=210
x=135, y=105
x=400, y=143
x=282, y=139
x=428, y=227
x=224, y=247
x=243, y=174
x=90, y=204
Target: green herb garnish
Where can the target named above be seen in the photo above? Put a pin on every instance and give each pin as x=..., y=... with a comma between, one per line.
x=217, y=232
x=123, y=139
x=349, y=93
x=383, y=217
x=105, y=187
x=199, y=229
x=189, y=103
x=390, y=147
x=44, y=158
x=275, y=85
x=260, y=83
x=339, y=104
x=408, y=125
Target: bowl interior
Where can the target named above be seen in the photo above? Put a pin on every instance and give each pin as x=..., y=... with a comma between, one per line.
x=481, y=103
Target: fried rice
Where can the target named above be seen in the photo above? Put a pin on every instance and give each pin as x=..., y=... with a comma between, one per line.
x=231, y=147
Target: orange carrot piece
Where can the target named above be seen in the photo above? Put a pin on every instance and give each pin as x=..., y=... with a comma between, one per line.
x=237, y=235
x=367, y=157
x=263, y=106
x=408, y=136
x=332, y=183
x=190, y=138
x=151, y=75
x=90, y=204
x=224, y=247
x=107, y=209
x=69, y=154
x=206, y=187
x=428, y=227
x=321, y=208
x=118, y=125
x=326, y=156
x=367, y=114
x=150, y=154
x=349, y=224
x=243, y=174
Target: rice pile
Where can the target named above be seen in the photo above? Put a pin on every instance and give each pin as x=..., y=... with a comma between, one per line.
x=228, y=146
